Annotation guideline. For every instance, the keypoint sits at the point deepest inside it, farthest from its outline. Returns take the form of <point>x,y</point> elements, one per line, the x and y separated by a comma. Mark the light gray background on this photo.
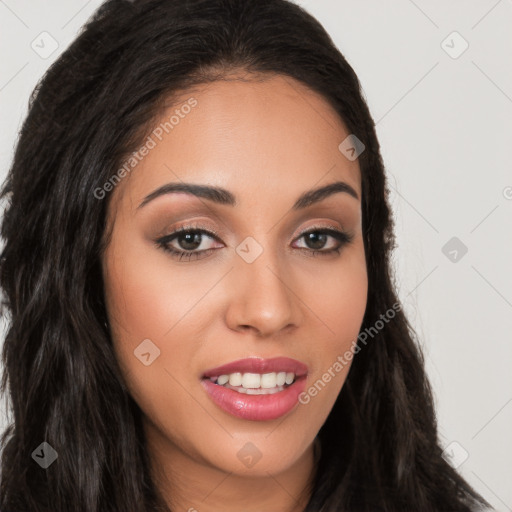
<point>445,127</point>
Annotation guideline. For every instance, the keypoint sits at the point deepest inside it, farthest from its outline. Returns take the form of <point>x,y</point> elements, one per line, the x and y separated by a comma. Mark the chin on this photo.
<point>260,455</point>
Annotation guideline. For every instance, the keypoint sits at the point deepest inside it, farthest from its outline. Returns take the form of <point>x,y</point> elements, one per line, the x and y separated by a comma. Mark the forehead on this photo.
<point>269,134</point>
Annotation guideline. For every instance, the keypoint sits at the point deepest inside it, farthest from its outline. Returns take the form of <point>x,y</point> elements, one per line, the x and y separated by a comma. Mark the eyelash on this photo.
<point>342,237</point>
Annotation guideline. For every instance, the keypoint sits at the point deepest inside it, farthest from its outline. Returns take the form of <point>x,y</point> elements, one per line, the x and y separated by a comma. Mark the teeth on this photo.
<point>268,380</point>
<point>235,379</point>
<point>223,379</point>
<point>250,382</point>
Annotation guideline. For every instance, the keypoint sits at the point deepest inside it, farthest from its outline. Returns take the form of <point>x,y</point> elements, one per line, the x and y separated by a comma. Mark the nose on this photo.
<point>262,297</point>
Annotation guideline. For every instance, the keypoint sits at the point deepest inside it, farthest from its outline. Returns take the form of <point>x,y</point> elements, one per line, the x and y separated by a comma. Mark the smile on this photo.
<point>256,389</point>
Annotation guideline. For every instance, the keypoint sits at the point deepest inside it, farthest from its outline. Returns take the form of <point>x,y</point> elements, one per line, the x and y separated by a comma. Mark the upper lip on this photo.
<point>259,365</point>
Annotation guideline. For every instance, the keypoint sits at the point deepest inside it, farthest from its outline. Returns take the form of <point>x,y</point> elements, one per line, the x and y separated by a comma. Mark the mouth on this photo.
<point>256,389</point>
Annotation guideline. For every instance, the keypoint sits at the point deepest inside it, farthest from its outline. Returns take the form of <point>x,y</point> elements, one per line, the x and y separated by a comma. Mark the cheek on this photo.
<point>146,296</point>
<point>153,309</point>
<point>153,332</point>
<point>338,301</point>
<point>337,295</point>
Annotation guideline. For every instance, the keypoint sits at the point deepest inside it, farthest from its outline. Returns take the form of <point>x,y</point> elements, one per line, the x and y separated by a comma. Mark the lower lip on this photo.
<point>256,407</point>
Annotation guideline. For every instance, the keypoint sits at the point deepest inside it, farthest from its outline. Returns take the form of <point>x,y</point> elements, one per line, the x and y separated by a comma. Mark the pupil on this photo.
<point>316,238</point>
<point>194,239</point>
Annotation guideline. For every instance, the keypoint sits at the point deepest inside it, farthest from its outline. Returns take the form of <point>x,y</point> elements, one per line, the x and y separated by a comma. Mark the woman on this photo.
<point>196,266</point>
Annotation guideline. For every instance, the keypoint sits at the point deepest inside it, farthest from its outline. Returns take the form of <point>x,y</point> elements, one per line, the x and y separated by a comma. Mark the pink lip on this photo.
<point>257,407</point>
<point>259,365</point>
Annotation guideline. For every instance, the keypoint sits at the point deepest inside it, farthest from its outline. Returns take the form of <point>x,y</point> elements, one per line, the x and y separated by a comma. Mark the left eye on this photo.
<point>316,239</point>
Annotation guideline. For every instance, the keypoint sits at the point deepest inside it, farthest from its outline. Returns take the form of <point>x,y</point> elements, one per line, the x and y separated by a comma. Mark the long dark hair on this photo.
<point>94,106</point>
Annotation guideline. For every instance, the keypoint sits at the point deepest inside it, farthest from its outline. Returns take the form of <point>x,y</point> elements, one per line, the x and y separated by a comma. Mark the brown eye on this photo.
<point>187,243</point>
<point>317,238</point>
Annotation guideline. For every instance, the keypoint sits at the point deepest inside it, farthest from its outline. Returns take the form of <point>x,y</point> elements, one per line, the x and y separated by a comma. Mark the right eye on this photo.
<point>187,240</point>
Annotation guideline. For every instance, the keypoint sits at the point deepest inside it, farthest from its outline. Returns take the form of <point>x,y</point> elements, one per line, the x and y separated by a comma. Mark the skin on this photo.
<point>266,141</point>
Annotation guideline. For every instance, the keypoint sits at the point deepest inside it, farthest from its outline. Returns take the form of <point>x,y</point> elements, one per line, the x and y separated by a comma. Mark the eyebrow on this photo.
<point>224,197</point>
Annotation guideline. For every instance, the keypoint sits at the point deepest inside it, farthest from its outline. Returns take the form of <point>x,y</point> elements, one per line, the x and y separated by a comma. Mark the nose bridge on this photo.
<point>262,296</point>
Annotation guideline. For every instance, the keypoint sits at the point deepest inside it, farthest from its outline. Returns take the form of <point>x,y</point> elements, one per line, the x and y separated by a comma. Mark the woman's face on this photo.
<point>256,288</point>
